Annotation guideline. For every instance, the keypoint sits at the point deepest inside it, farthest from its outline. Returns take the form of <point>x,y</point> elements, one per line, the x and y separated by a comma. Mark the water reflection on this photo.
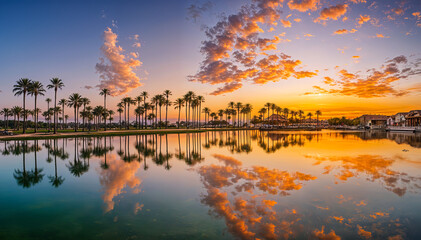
<point>266,185</point>
<point>374,167</point>
<point>244,198</point>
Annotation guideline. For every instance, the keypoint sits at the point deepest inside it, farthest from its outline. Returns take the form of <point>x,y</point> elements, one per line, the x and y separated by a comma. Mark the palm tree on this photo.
<point>48,100</point>
<point>167,93</point>
<point>139,112</point>
<point>62,102</point>
<point>21,88</point>
<point>145,95</point>
<point>238,106</point>
<point>16,114</point>
<point>127,102</point>
<point>75,101</point>
<point>55,83</point>
<point>201,100</point>
<point>6,113</point>
<point>104,92</point>
<point>36,89</point>
<point>146,107</point>
<point>286,112</point>
<point>206,111</point>
<point>263,111</point>
<point>120,110</point>
<point>300,114</point>
<point>188,97</point>
<point>138,99</point>
<point>110,116</point>
<point>309,116</point>
<point>84,101</point>
<point>247,109</point>
<point>179,103</point>
<point>318,113</point>
<point>268,106</point>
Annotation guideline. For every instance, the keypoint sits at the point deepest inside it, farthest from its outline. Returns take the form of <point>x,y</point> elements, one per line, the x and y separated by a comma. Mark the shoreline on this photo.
<point>35,136</point>
<point>44,135</point>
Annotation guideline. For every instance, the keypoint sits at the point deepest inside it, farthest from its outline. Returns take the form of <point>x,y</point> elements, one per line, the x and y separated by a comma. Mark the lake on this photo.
<point>213,185</point>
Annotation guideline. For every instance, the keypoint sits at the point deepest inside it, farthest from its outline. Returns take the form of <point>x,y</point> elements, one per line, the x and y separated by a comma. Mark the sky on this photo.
<point>345,58</point>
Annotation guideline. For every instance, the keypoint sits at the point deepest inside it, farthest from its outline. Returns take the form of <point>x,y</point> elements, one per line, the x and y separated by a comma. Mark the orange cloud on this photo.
<point>344,31</point>
<point>286,23</point>
<point>362,19</point>
<point>303,5</point>
<point>378,82</point>
<point>333,12</point>
<point>234,52</point>
<point>381,36</point>
<point>118,74</point>
<point>297,20</point>
<point>363,233</point>
<point>320,234</point>
<point>398,11</point>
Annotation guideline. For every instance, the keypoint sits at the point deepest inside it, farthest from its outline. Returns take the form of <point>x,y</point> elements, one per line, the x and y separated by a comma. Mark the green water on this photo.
<point>214,185</point>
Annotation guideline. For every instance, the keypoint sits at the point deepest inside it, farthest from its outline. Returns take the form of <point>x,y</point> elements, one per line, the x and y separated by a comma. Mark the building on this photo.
<point>400,118</point>
<point>391,121</point>
<point>277,119</point>
<point>413,119</point>
<point>373,121</point>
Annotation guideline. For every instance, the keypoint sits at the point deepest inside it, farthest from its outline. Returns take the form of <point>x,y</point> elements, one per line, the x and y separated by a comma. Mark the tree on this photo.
<point>104,92</point>
<point>62,102</point>
<point>318,113</point>
<point>120,110</point>
<point>36,89</point>
<point>84,101</point>
<point>262,111</point>
<point>145,95</point>
<point>17,111</point>
<point>110,116</point>
<point>6,113</point>
<point>167,93</point>
<point>309,115</point>
<point>301,114</point>
<point>179,103</point>
<point>206,111</point>
<point>238,106</point>
<point>55,83</point>
<point>75,102</point>
<point>200,100</point>
<point>21,88</point>
<point>139,112</point>
<point>48,100</point>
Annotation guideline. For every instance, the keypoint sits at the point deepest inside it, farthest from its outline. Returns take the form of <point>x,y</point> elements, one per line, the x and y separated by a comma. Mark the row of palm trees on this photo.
<point>25,87</point>
<point>287,114</point>
<point>147,113</point>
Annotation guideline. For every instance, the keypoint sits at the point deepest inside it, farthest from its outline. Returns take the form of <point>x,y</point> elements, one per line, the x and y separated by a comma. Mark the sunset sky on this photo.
<point>342,57</point>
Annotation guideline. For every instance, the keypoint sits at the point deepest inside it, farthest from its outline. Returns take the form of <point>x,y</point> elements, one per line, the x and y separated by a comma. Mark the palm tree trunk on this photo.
<point>24,110</point>
<point>55,113</point>
<point>36,114</point>
<point>75,119</point>
<point>179,111</point>
<point>166,113</point>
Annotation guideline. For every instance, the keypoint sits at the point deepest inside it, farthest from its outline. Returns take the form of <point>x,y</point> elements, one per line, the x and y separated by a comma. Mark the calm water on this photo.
<point>218,185</point>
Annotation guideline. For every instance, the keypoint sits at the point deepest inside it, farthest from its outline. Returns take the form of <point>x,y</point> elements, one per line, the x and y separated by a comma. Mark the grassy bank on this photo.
<point>72,134</point>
